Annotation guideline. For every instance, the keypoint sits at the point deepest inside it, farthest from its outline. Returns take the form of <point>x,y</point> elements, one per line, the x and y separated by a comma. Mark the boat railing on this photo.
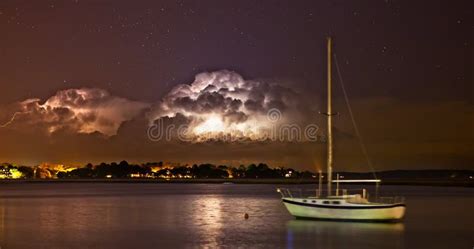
<point>353,195</point>
<point>298,193</point>
<point>308,193</point>
<point>387,199</point>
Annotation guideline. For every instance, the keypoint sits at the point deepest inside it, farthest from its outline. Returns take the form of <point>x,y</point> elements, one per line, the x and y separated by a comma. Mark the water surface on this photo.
<point>131,215</point>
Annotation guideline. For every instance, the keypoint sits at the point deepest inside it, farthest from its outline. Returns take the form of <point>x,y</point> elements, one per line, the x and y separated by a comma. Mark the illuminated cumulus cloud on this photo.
<point>85,110</point>
<point>223,103</point>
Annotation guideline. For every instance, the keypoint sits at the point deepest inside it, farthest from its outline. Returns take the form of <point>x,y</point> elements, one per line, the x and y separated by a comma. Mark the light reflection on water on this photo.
<point>200,215</point>
<point>330,234</point>
<point>206,214</point>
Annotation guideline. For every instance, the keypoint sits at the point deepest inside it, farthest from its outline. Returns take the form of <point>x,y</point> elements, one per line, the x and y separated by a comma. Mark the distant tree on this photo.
<point>102,170</point>
<point>61,174</point>
<point>219,172</point>
<point>27,172</point>
<point>81,173</point>
<point>252,171</point>
<point>306,174</point>
<point>241,171</point>
<point>204,170</point>
<point>180,171</point>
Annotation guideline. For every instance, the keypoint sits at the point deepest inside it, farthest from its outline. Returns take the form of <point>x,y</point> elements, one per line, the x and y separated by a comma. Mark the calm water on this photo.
<point>98,215</point>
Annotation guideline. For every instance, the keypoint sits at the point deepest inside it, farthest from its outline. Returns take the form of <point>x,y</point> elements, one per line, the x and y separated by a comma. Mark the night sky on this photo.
<point>407,66</point>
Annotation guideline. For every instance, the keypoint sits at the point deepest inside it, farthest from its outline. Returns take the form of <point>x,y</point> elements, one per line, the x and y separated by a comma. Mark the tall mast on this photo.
<point>329,113</point>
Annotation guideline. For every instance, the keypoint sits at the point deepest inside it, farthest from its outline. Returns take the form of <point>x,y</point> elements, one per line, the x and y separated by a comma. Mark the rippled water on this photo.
<point>116,215</point>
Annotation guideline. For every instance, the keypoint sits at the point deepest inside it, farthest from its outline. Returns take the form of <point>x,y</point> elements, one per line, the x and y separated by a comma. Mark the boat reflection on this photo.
<point>330,234</point>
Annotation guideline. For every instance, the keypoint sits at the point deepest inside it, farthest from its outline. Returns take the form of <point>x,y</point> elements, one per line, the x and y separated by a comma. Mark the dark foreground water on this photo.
<point>115,215</point>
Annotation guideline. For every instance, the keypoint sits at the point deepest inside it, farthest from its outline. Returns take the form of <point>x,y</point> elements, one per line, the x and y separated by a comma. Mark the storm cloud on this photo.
<point>223,102</point>
<point>85,110</point>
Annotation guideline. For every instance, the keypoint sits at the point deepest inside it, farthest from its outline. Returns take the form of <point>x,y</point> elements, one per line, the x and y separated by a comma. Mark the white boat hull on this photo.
<point>301,208</point>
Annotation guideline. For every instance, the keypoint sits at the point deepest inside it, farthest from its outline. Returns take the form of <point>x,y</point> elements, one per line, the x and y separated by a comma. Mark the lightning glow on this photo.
<point>212,124</point>
<point>85,110</point>
<point>222,103</point>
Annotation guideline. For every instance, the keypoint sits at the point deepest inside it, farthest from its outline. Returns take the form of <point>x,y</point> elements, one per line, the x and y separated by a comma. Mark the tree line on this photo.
<point>158,170</point>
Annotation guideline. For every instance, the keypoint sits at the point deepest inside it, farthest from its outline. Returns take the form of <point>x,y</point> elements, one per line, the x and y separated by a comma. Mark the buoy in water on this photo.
<point>246,215</point>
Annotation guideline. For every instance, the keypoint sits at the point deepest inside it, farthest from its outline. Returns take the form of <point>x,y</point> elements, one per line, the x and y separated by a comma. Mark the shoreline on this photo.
<point>467,184</point>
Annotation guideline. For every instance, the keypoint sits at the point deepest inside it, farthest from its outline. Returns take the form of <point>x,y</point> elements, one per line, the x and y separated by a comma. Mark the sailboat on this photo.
<point>341,205</point>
